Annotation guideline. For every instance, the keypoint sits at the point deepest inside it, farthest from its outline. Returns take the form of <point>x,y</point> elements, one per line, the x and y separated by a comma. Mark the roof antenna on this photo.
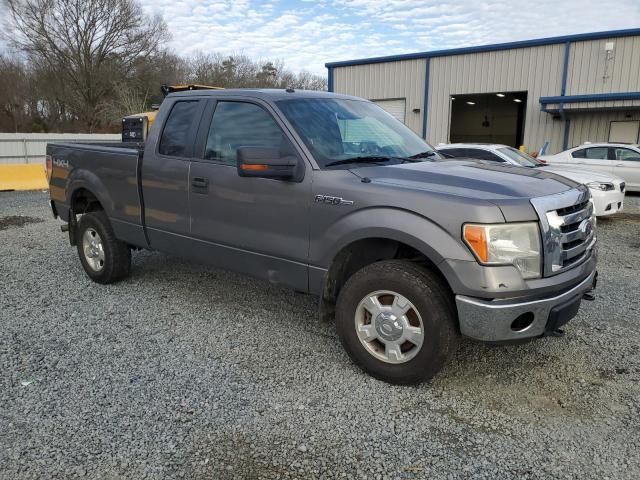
<point>290,90</point>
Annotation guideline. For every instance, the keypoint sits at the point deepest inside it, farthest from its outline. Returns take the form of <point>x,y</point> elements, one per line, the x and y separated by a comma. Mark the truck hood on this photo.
<point>580,175</point>
<point>469,179</point>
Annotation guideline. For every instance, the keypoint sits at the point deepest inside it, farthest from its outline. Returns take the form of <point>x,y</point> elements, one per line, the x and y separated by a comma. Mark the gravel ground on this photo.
<point>182,371</point>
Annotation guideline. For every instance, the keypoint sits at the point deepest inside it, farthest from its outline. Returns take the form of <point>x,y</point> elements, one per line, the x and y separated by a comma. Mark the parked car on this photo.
<point>331,195</point>
<point>607,190</point>
<point>620,159</point>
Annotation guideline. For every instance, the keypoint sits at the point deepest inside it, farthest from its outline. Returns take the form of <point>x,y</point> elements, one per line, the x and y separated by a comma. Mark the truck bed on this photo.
<point>111,171</point>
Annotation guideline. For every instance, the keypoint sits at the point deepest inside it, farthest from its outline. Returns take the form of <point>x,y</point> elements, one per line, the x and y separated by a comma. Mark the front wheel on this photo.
<point>104,258</point>
<point>397,321</point>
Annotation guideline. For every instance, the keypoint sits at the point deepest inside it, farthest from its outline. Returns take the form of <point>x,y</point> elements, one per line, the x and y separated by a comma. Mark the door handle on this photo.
<point>619,164</point>
<point>200,182</point>
<point>200,185</point>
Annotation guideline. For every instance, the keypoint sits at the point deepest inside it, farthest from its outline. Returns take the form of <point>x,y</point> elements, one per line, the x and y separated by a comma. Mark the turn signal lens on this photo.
<point>253,167</point>
<point>476,238</point>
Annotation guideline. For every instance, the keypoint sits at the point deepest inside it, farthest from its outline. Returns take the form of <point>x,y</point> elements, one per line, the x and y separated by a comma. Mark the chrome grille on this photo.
<point>568,228</point>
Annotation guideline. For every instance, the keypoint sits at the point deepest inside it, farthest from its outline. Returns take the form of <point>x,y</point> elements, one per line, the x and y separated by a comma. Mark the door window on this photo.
<point>594,153</point>
<point>627,154</point>
<point>239,124</point>
<point>177,130</point>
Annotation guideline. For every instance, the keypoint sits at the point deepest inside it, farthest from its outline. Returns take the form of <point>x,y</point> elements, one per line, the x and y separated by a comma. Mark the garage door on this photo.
<point>395,107</point>
<point>624,132</point>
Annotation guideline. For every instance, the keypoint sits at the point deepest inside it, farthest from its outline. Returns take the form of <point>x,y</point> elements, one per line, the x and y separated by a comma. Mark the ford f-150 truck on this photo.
<point>330,195</point>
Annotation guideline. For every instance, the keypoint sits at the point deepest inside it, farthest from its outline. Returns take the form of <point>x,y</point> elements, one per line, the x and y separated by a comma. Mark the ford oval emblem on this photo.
<point>586,227</point>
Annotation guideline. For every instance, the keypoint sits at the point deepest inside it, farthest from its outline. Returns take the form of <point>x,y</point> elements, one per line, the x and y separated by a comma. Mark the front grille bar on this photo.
<point>567,228</point>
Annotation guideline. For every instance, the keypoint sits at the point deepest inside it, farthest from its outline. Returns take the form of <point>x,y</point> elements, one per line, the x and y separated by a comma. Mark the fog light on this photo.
<point>523,322</point>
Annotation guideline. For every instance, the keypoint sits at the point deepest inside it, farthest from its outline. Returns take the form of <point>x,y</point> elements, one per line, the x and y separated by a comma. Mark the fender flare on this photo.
<point>403,226</point>
<point>91,182</point>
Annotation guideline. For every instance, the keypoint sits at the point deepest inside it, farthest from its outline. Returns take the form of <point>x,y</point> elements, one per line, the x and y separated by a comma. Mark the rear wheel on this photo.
<point>104,258</point>
<point>397,321</point>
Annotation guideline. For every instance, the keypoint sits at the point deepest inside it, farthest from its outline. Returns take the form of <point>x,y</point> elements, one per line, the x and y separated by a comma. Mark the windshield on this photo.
<point>345,132</point>
<point>520,158</point>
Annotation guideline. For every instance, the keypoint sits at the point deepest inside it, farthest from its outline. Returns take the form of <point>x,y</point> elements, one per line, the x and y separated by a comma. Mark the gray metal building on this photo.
<point>562,90</point>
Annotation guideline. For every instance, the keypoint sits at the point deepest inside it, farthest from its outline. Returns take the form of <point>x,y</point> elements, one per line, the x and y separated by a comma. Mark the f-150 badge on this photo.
<point>329,200</point>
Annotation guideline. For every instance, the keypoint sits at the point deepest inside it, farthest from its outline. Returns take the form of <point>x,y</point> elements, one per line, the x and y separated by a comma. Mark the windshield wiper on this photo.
<point>363,159</point>
<point>427,154</point>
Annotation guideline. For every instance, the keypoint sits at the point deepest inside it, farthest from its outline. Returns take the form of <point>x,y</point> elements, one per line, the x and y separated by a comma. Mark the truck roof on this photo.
<point>265,93</point>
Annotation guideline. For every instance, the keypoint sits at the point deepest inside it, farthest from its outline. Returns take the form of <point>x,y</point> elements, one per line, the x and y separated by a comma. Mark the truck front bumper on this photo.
<point>510,320</point>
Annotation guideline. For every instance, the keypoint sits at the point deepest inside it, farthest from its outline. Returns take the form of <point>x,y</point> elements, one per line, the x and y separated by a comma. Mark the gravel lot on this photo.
<point>190,372</point>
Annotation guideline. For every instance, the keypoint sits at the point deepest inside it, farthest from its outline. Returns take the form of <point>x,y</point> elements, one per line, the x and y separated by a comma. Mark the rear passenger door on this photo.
<point>165,174</point>
<point>258,226</point>
<point>627,165</point>
<point>593,158</point>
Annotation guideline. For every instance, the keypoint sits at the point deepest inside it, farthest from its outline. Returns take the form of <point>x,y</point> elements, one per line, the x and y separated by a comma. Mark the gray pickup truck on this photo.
<point>330,195</point>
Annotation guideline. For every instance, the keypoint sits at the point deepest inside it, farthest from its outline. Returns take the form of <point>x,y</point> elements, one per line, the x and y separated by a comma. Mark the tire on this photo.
<point>104,258</point>
<point>398,354</point>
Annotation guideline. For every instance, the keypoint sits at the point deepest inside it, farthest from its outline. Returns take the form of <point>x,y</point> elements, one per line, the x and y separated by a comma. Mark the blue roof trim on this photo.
<point>565,67</point>
<point>565,134</point>
<point>595,97</point>
<point>425,106</point>
<point>490,48</point>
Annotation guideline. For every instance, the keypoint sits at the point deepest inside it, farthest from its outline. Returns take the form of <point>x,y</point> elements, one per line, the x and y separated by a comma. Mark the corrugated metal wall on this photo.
<point>537,70</point>
<point>382,81</point>
<point>31,147</point>
<point>591,72</point>
<point>594,127</point>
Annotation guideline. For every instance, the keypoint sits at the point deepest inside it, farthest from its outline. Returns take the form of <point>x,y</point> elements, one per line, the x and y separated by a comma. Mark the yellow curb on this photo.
<point>23,177</point>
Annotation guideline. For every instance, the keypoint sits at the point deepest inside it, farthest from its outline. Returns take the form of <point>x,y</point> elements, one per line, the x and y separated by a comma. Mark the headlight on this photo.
<point>516,244</point>
<point>602,186</point>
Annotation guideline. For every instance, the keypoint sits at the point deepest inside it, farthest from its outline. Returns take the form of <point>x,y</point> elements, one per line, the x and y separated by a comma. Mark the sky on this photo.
<point>306,34</point>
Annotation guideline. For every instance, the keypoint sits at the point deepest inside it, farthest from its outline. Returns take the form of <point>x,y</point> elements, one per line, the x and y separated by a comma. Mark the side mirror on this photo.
<point>266,163</point>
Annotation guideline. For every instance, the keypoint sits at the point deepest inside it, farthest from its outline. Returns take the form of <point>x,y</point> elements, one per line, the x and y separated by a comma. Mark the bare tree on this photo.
<point>14,95</point>
<point>78,65</point>
<point>305,80</point>
<point>89,43</point>
<point>240,71</point>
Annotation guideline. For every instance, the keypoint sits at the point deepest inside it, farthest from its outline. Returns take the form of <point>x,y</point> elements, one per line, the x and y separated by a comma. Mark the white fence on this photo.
<point>32,147</point>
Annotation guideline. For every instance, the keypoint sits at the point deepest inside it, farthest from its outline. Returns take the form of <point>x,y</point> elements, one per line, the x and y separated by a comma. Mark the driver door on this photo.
<point>258,226</point>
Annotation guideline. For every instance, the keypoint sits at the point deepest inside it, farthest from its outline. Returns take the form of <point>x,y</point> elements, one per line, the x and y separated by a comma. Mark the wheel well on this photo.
<point>364,252</point>
<point>84,201</point>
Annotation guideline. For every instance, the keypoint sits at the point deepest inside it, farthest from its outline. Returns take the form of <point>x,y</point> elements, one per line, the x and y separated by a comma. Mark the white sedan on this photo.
<point>620,159</point>
<point>607,190</point>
